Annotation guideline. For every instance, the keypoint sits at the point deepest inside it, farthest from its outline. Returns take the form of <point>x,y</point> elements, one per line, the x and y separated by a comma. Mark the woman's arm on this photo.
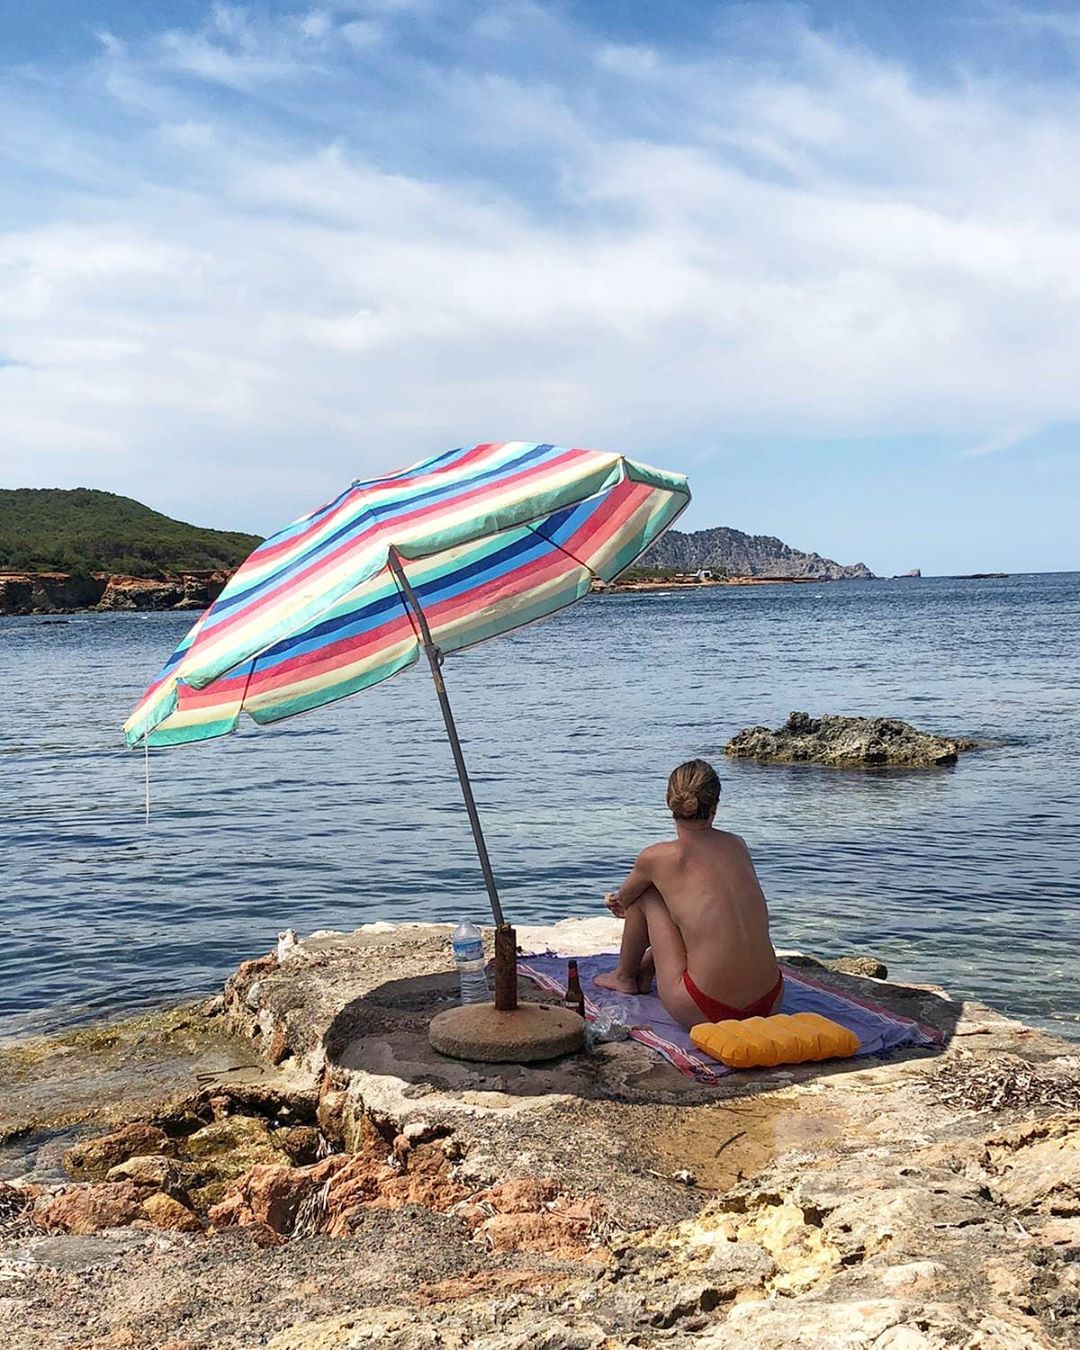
<point>633,888</point>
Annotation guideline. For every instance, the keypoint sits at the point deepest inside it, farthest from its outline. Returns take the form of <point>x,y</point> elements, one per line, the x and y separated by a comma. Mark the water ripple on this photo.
<point>968,877</point>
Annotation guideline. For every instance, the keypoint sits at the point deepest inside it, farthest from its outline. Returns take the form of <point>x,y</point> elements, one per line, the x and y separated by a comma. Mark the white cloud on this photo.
<point>361,33</point>
<point>1058,23</point>
<point>355,258</point>
<point>1005,439</point>
<point>189,134</point>
<point>625,59</point>
<point>316,23</point>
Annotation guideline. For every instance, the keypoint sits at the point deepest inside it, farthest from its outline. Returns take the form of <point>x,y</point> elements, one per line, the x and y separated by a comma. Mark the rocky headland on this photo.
<point>847,742</point>
<point>724,550</point>
<point>290,1165</point>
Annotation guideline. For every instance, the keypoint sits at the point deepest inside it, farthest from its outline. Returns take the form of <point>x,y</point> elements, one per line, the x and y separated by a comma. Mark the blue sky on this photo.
<point>823,257</point>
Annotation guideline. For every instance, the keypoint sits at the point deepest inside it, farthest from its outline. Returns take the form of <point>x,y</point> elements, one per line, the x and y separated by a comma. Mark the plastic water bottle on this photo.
<point>468,945</point>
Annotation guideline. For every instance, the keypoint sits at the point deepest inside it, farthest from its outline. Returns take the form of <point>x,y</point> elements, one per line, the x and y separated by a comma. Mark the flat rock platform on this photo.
<point>308,1173</point>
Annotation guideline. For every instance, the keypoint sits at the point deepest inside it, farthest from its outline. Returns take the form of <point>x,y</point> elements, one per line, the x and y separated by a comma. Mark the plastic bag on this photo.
<point>609,1024</point>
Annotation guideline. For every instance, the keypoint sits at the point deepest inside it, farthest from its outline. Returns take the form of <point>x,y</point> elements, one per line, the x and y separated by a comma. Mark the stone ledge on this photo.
<point>600,1200</point>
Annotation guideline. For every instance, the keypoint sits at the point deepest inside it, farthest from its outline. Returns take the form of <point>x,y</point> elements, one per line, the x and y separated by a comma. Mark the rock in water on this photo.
<point>848,742</point>
<point>867,966</point>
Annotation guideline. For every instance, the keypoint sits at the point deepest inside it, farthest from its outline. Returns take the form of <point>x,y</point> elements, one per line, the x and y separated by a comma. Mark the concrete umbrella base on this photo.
<point>531,1031</point>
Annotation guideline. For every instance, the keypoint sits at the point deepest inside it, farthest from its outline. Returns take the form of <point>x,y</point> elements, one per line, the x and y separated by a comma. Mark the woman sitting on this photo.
<point>695,916</point>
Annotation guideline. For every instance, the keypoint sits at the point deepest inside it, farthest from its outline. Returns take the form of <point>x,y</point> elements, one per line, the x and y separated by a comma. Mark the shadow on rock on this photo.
<point>385,1033</point>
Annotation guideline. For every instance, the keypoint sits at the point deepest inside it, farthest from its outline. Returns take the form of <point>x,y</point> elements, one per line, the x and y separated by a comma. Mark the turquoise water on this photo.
<point>968,877</point>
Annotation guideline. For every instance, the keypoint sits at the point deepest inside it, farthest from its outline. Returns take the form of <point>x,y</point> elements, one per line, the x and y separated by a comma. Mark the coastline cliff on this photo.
<point>63,593</point>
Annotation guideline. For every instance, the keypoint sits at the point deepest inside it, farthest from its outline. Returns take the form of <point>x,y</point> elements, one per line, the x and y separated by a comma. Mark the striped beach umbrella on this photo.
<point>456,549</point>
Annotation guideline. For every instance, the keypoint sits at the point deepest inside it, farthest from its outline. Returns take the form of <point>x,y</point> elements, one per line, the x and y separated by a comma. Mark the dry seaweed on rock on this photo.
<point>1007,1083</point>
<point>16,1203</point>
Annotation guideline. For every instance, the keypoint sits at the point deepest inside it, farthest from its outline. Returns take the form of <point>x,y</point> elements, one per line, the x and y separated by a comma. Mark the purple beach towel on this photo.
<point>878,1029</point>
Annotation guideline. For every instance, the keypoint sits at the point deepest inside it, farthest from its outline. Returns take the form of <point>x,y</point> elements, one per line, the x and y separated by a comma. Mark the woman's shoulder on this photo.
<point>663,848</point>
<point>732,846</point>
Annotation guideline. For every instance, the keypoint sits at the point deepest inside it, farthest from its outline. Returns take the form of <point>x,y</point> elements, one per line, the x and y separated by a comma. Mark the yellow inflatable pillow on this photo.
<point>783,1038</point>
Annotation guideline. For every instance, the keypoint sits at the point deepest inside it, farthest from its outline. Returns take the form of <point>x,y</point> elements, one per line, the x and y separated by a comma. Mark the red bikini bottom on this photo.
<point>715,1011</point>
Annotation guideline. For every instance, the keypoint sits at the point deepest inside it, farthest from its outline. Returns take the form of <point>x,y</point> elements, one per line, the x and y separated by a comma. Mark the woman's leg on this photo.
<point>635,941</point>
<point>669,954</point>
<point>648,926</point>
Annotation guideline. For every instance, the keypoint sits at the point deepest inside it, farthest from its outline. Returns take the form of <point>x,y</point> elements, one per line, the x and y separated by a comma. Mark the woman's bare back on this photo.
<point>707,880</point>
<point>694,915</point>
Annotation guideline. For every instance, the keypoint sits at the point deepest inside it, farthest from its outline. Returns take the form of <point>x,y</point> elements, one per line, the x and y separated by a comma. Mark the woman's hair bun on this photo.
<point>683,803</point>
<point>693,790</point>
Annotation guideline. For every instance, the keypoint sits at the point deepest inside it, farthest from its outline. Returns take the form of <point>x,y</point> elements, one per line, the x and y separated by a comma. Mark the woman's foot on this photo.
<point>618,982</point>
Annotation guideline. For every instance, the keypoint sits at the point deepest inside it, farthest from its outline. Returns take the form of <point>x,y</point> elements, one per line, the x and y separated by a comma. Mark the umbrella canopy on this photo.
<point>484,539</point>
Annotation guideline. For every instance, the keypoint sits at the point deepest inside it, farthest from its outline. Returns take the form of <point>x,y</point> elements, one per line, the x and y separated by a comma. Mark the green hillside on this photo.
<point>82,530</point>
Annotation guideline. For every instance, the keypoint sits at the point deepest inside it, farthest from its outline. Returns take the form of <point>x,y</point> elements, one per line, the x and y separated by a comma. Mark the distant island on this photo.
<point>728,553</point>
<point>77,549</point>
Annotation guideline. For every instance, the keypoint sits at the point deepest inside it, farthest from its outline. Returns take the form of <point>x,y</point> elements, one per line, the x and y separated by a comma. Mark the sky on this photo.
<point>822,257</point>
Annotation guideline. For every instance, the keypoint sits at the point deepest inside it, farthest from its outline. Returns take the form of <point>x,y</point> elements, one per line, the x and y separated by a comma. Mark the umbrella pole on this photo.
<point>505,941</point>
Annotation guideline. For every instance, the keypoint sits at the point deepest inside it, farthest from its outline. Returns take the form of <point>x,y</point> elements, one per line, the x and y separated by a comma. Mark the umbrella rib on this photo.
<point>555,544</point>
<point>247,684</point>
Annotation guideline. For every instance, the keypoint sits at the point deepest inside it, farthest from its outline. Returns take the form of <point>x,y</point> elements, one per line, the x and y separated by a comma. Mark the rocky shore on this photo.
<point>692,582</point>
<point>62,593</point>
<point>290,1165</point>
<point>65,593</point>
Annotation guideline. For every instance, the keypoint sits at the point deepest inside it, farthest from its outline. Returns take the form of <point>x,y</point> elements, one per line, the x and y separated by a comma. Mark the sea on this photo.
<point>966,877</point>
